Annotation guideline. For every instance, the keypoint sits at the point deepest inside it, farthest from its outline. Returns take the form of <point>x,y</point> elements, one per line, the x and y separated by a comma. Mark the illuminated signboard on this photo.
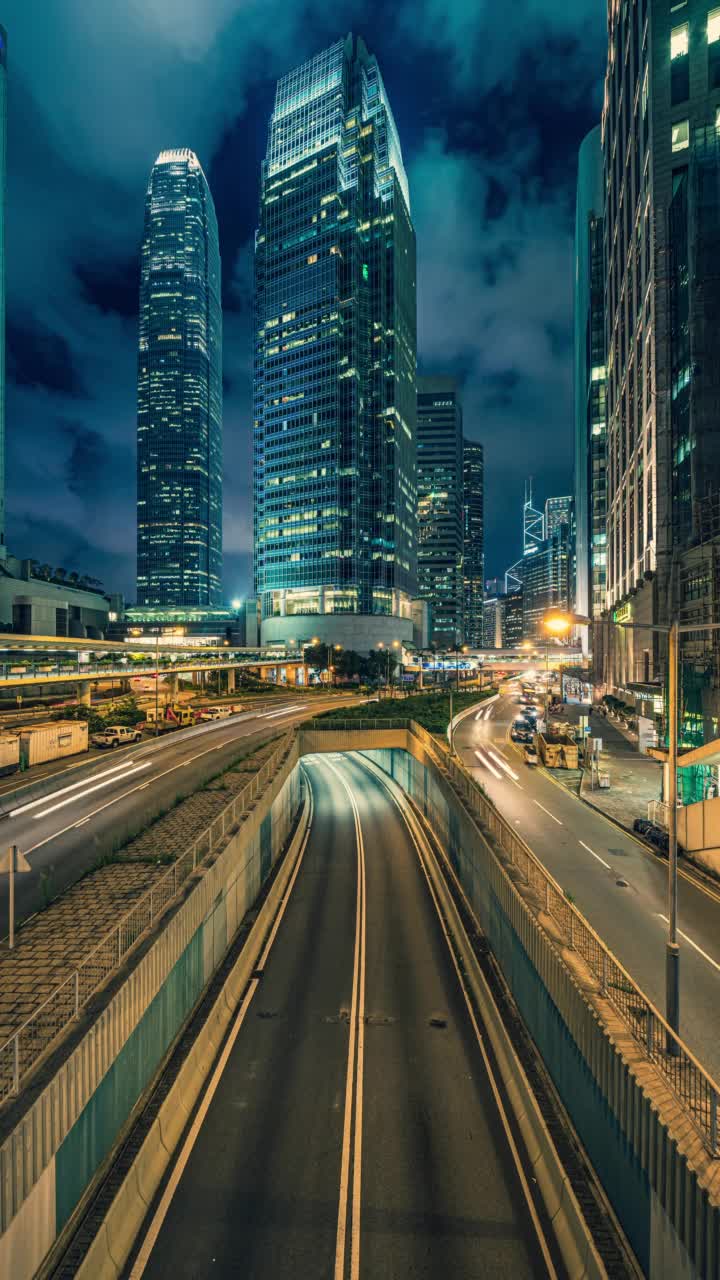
<point>623,614</point>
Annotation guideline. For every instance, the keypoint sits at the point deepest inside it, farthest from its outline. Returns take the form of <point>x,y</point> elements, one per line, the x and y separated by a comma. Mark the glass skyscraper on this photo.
<point>335,359</point>
<point>440,507</point>
<point>473,542</point>
<point>179,455</point>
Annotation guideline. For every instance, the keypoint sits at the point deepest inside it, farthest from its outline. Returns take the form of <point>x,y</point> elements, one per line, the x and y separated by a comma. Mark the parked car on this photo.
<point>530,754</point>
<point>117,735</point>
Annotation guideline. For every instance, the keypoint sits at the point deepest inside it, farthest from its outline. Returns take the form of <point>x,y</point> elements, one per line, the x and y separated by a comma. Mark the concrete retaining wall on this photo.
<point>667,1216</point>
<point>51,1157</point>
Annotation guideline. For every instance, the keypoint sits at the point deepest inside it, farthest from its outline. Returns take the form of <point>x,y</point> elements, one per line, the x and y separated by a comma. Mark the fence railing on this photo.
<point>692,1084</point>
<point>20,1053</point>
<point>658,813</point>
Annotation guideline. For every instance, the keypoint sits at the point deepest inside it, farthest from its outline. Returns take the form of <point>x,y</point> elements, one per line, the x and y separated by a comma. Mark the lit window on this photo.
<point>713,26</point>
<point>681,135</point>
<point>717,119</point>
<point>312,258</point>
<point>679,39</point>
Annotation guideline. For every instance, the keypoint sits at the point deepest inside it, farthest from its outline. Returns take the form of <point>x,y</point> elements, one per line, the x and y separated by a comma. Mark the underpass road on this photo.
<point>618,885</point>
<point>350,1147</point>
<point>64,832</point>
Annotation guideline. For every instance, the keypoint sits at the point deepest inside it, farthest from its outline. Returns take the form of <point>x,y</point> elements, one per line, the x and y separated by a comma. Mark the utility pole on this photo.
<point>673,950</point>
<point>157,678</point>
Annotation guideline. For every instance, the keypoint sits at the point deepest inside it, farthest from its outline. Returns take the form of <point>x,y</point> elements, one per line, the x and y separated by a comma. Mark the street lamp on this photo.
<point>559,624</point>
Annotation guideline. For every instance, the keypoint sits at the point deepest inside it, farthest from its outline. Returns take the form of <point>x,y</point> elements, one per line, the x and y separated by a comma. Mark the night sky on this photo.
<point>491,102</point>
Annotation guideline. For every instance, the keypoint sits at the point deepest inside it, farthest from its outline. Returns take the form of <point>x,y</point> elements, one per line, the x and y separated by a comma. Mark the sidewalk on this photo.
<point>635,779</point>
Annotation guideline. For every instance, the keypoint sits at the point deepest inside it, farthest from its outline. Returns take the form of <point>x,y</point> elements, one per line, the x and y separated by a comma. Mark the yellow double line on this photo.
<point>349,1204</point>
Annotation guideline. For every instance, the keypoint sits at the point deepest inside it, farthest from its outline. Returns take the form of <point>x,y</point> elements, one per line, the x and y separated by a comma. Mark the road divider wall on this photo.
<point>643,1142</point>
<point>56,1148</point>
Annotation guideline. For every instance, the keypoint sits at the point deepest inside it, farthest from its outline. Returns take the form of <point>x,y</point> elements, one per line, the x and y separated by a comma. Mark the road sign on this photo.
<point>11,862</point>
<point>21,862</point>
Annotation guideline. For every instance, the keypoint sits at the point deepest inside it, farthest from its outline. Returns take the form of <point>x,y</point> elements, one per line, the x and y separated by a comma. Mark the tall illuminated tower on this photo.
<point>179,456</point>
<point>335,358</point>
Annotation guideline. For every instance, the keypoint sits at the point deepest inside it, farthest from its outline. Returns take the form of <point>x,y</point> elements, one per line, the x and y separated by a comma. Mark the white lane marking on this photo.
<point>34,804</point>
<point>284,711</point>
<point>547,811</point>
<point>153,1231</point>
<point>483,760</point>
<point>695,946</point>
<point>357,1033</point>
<point>98,786</point>
<point>595,855</point>
<point>499,759</point>
<point>82,822</point>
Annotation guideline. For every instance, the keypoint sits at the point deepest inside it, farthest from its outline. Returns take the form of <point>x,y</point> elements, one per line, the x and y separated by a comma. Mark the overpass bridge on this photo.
<point>28,662</point>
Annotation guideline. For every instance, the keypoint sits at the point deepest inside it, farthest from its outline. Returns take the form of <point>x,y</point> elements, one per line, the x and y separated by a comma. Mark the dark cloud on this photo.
<point>491,105</point>
<point>38,358</point>
<point>111,286</point>
<point>88,464</point>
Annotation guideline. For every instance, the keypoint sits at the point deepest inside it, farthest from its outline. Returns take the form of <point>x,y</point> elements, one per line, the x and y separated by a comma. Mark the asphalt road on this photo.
<point>352,1132</point>
<point>618,885</point>
<point>64,832</point>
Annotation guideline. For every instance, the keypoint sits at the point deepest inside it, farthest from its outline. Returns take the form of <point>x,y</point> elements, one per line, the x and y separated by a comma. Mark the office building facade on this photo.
<point>335,361</point>
<point>440,524</point>
<point>179,438</point>
<point>473,541</point>
<point>558,511</point>
<point>589,384</point>
<point>661,143</point>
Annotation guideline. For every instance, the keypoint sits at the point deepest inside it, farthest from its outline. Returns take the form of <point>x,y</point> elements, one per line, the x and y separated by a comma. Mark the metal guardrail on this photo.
<point>20,1053</point>
<point>692,1084</point>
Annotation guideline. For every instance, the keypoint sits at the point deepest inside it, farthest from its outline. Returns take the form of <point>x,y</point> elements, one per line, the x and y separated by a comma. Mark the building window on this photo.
<point>679,40</point>
<point>679,64</point>
<point>713,39</point>
<point>681,135</point>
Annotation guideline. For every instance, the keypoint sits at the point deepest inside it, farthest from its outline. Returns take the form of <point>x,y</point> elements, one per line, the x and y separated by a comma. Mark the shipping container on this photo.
<point>53,741</point>
<point>9,753</point>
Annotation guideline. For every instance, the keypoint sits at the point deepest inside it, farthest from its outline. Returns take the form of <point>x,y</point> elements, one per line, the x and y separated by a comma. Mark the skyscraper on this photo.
<point>473,541</point>
<point>440,507</point>
<point>558,511</point>
<point>3,156</point>
<point>590,383</point>
<point>533,524</point>
<point>661,144</point>
<point>179,463</point>
<point>335,361</point>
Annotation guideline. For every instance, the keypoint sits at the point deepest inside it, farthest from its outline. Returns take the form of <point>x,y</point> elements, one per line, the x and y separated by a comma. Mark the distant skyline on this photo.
<point>491,109</point>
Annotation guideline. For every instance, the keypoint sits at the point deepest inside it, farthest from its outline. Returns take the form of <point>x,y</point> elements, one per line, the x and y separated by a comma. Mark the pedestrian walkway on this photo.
<point>635,779</point>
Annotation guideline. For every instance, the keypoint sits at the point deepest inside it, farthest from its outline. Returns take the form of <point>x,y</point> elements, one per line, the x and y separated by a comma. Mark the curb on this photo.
<point>108,1254</point>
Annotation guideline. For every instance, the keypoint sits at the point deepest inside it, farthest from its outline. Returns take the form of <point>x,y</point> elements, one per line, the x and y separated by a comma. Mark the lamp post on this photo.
<point>559,624</point>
